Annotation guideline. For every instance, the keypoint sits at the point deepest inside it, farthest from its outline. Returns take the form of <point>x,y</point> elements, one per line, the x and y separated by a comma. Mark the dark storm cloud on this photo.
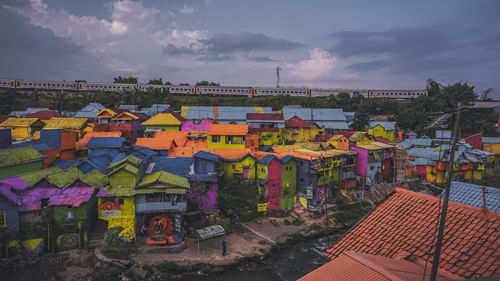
<point>29,51</point>
<point>226,43</point>
<point>221,46</point>
<point>172,50</point>
<point>405,43</point>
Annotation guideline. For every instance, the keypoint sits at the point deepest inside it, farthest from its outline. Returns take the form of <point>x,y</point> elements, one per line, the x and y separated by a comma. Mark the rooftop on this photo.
<point>20,155</point>
<point>471,194</point>
<point>407,221</point>
<point>228,129</point>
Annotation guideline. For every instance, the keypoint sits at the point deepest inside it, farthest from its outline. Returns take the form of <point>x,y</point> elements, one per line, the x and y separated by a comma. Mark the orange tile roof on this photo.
<point>228,129</point>
<point>226,153</point>
<point>354,266</point>
<point>179,137</point>
<point>82,143</point>
<point>156,143</point>
<point>196,143</point>
<point>185,151</point>
<point>407,221</point>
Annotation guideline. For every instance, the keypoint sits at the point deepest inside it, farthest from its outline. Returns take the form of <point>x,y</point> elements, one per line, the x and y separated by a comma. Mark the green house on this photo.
<point>288,182</point>
<point>16,161</point>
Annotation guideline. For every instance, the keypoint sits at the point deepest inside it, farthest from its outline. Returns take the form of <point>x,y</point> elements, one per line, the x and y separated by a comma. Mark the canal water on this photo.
<point>283,265</point>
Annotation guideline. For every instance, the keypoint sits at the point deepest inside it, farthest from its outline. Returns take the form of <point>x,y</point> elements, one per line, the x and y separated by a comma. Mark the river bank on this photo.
<point>261,250</point>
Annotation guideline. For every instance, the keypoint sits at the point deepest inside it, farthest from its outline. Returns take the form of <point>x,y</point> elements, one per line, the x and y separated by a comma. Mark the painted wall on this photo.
<point>361,160</point>
<point>223,143</point>
<point>274,185</point>
<point>164,127</point>
<point>378,131</point>
<point>492,147</point>
<point>302,134</point>
<point>206,199</point>
<point>374,171</point>
<point>245,166</point>
<point>124,178</point>
<point>190,125</point>
<point>11,214</point>
<point>288,184</point>
<point>124,216</point>
<point>15,170</point>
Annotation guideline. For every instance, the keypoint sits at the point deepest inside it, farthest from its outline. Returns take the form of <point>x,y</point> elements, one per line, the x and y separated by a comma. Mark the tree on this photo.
<point>206,83</point>
<point>125,80</point>
<point>184,84</point>
<point>459,93</point>
<point>168,83</point>
<point>155,82</point>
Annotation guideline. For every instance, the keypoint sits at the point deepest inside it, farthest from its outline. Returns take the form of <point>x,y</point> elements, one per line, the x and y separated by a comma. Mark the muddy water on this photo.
<point>283,265</point>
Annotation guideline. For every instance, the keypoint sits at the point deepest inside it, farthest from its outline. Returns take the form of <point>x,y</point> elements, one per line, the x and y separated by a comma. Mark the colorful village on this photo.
<point>159,178</point>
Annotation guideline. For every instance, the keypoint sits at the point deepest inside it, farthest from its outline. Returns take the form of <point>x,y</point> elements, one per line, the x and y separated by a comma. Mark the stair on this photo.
<point>97,236</point>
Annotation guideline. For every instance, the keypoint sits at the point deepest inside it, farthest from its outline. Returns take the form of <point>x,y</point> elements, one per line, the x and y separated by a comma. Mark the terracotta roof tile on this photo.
<point>180,137</point>
<point>406,221</point>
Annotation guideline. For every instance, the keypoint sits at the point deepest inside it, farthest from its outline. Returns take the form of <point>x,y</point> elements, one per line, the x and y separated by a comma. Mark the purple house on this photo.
<point>191,125</point>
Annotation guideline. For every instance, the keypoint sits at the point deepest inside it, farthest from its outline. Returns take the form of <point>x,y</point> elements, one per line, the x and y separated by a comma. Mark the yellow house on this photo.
<point>117,204</point>
<point>490,144</point>
<point>227,136</point>
<point>165,122</point>
<point>385,130</point>
<point>23,128</point>
<point>78,125</point>
<point>236,162</point>
<point>297,129</point>
<point>359,138</point>
<point>105,115</point>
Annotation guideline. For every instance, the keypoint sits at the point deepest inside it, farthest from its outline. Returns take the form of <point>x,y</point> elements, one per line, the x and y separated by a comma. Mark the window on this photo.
<point>233,166</point>
<point>215,138</point>
<point>155,197</point>
<point>263,170</point>
<point>3,219</point>
<point>301,179</point>
<point>120,202</point>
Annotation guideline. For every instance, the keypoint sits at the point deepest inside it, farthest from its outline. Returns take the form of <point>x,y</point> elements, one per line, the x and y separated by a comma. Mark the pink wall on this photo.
<point>361,160</point>
<point>274,184</point>
<point>190,125</point>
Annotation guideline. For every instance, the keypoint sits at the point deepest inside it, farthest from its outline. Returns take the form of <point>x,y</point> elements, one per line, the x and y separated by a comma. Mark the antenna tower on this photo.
<point>278,69</point>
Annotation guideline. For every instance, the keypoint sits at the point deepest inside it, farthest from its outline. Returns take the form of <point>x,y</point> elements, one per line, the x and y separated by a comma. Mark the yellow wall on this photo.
<point>20,133</point>
<point>229,171</point>
<point>378,131</point>
<point>124,179</point>
<point>492,147</point>
<point>434,176</point>
<point>261,171</point>
<point>271,138</point>
<point>164,127</point>
<point>303,134</point>
<point>223,144</point>
<point>126,217</point>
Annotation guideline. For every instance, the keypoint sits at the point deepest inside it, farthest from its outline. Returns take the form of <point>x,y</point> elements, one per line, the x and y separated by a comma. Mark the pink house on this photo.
<point>191,125</point>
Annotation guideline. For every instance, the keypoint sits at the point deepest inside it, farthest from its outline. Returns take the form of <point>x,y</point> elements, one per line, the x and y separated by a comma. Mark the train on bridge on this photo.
<point>207,90</point>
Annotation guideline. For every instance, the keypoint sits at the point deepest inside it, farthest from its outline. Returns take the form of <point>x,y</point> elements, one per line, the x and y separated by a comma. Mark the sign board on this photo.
<point>111,213</point>
<point>178,223</point>
<point>309,192</point>
<point>261,207</point>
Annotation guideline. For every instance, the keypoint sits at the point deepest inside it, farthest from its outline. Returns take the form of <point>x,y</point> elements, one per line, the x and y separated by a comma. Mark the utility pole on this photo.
<point>439,242</point>
<point>278,69</point>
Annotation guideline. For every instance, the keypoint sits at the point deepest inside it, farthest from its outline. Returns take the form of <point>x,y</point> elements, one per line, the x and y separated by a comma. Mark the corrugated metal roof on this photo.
<point>162,119</point>
<point>471,194</point>
<point>46,115</point>
<point>315,114</point>
<point>19,122</point>
<point>66,123</point>
<point>155,109</point>
<point>89,111</point>
<point>176,165</point>
<point>265,116</point>
<point>15,156</point>
<point>228,129</point>
<point>198,112</point>
<point>164,178</point>
<point>106,143</point>
<point>440,134</point>
<point>336,125</point>
<point>491,139</point>
<point>386,125</point>
<point>65,164</point>
<point>131,107</point>
<point>207,156</point>
<point>35,176</point>
<point>155,143</point>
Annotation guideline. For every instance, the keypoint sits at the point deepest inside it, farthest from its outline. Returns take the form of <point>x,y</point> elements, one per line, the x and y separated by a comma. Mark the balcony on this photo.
<point>149,207</point>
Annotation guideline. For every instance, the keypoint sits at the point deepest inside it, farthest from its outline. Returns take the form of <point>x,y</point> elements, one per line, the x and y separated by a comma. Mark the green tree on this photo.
<point>206,83</point>
<point>125,80</point>
<point>155,82</point>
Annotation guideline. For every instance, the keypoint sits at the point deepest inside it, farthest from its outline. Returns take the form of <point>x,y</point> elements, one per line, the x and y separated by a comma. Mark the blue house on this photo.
<point>106,146</point>
<point>206,167</point>
<point>5,138</point>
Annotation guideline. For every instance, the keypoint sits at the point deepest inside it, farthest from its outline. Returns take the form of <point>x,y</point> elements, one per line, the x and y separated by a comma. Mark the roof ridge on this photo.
<point>373,266</point>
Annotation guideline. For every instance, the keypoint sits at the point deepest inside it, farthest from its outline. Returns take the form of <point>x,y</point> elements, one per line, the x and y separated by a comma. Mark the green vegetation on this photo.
<point>239,198</point>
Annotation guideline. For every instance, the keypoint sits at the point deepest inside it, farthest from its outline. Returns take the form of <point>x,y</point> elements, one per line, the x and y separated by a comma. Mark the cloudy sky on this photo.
<point>323,43</point>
